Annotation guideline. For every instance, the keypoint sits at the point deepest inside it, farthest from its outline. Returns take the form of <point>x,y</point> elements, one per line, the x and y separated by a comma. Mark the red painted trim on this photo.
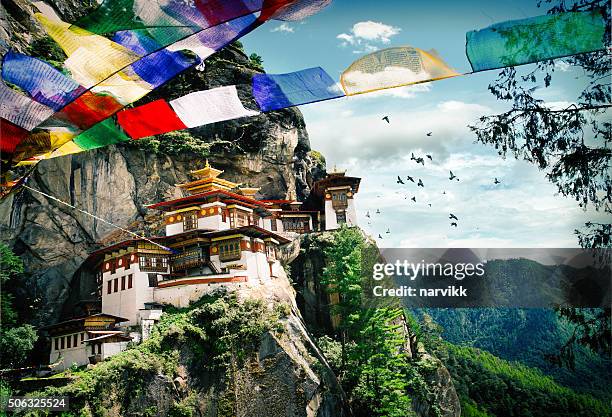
<point>170,203</point>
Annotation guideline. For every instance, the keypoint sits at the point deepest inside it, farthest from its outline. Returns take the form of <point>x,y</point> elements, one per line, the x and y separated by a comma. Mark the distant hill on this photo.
<point>526,336</point>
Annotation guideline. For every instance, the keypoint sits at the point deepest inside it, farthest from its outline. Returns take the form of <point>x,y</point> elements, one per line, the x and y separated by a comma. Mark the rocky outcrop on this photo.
<point>437,398</point>
<point>270,151</point>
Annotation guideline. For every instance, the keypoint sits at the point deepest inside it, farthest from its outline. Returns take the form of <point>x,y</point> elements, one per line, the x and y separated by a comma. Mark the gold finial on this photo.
<point>207,164</point>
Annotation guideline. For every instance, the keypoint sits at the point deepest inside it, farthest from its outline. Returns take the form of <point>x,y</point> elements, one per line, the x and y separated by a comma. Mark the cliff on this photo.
<point>116,183</point>
<point>260,361</point>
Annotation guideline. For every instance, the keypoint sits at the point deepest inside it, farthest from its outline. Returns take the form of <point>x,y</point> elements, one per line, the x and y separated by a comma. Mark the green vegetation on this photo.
<point>210,337</point>
<point>528,336</point>
<point>367,350</point>
<point>16,341</point>
<point>489,386</point>
<point>48,50</point>
<point>256,61</point>
<point>174,143</point>
<point>317,157</point>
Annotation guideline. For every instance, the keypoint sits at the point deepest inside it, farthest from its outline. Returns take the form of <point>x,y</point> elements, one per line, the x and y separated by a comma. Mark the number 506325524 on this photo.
<point>49,403</point>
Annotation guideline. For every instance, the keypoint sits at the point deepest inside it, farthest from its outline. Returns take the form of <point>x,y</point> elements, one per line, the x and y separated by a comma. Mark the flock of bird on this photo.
<point>454,220</point>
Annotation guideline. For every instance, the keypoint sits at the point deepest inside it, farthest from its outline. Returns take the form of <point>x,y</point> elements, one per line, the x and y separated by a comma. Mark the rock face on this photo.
<point>270,151</point>
<point>440,399</point>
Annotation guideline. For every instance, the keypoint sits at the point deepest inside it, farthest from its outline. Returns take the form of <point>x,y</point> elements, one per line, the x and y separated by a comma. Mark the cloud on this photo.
<point>374,31</point>
<point>371,140</point>
<point>284,27</point>
<point>363,34</point>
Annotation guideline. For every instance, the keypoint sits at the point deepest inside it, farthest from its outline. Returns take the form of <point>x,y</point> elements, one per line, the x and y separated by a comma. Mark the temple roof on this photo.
<point>207,179</point>
<point>336,179</point>
<point>178,203</point>
<point>251,230</point>
<point>81,321</point>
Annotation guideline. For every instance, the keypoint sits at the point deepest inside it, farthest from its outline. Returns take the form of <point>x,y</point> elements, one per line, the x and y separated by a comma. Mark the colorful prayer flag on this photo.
<point>279,91</point>
<point>149,119</point>
<point>40,80</point>
<point>525,41</point>
<point>394,67</point>
<point>210,106</point>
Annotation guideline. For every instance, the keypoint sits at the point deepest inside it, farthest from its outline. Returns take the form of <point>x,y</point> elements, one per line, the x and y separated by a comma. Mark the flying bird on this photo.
<point>412,158</point>
<point>388,231</point>
<point>420,184</point>
<point>420,161</point>
<point>429,133</point>
<point>386,119</point>
<point>429,204</point>
<point>399,180</point>
<point>379,236</point>
<point>414,199</point>
<point>368,214</point>
<point>453,176</point>
<point>377,211</point>
<point>496,181</point>
<point>452,217</point>
<point>409,178</point>
<point>430,158</point>
<point>454,224</point>
<point>444,192</point>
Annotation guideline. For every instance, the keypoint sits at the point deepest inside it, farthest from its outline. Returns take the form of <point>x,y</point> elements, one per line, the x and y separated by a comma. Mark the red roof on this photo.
<point>168,205</point>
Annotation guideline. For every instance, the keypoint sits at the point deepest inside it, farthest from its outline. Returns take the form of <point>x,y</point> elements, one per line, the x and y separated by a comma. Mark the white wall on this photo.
<point>331,222</point>
<point>174,228</point>
<point>128,302</point>
<point>70,356</point>
<point>111,349</point>
<point>351,213</point>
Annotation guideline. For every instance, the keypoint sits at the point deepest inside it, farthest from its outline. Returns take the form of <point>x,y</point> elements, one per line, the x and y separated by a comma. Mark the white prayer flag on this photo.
<point>210,106</point>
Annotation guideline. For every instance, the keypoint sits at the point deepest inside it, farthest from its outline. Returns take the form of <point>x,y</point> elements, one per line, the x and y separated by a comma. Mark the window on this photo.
<point>273,224</point>
<point>295,224</point>
<point>341,217</point>
<point>93,349</point>
<point>57,343</point>
<point>152,280</point>
<point>99,348</point>
<point>224,216</point>
<point>153,263</point>
<point>75,340</point>
<point>109,286</point>
<point>130,279</point>
<point>123,283</point>
<point>270,251</point>
<point>116,285</point>
<point>190,221</point>
<point>242,219</point>
<point>229,250</point>
<point>68,342</point>
<point>82,338</point>
<point>190,258</point>
<point>339,200</point>
<point>62,342</point>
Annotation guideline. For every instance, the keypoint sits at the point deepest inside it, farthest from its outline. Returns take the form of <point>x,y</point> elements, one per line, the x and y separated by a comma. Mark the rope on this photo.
<point>98,218</point>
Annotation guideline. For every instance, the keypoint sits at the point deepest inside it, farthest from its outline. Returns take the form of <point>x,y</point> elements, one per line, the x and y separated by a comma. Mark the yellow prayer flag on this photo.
<point>394,67</point>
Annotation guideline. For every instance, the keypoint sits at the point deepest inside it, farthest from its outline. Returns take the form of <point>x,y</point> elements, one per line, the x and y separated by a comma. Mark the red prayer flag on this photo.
<point>150,119</point>
<point>89,109</point>
<point>10,136</point>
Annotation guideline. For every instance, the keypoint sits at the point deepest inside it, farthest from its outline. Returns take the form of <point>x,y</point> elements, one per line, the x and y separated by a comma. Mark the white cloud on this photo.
<point>363,34</point>
<point>284,27</point>
<point>374,31</point>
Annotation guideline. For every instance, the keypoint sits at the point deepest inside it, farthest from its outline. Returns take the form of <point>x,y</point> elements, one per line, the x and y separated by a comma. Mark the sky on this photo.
<point>524,210</point>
